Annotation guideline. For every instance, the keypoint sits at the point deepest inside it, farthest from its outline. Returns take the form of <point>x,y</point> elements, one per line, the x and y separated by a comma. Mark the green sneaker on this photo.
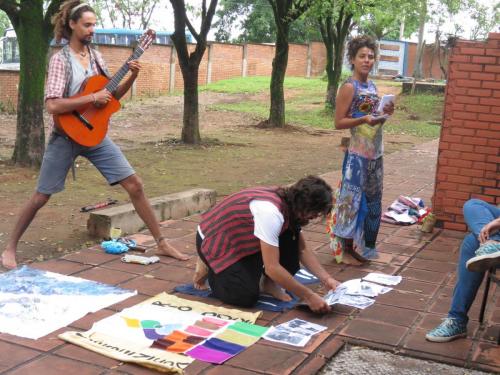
<point>449,330</point>
<point>487,256</point>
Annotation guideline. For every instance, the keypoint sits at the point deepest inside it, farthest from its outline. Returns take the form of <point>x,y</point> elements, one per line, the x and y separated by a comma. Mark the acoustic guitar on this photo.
<point>88,124</point>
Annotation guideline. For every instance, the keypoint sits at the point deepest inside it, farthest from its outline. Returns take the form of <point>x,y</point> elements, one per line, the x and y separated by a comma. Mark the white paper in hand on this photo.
<point>386,99</point>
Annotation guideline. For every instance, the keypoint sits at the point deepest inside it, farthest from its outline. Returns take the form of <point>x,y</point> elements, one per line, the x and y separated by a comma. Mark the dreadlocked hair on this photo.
<point>61,19</point>
<point>310,194</point>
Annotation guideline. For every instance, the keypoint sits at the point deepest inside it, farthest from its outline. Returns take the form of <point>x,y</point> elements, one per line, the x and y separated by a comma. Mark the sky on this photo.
<point>163,20</point>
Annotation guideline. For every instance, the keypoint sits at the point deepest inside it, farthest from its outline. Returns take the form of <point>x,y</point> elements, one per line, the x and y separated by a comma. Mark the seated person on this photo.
<point>251,242</point>
<point>480,250</point>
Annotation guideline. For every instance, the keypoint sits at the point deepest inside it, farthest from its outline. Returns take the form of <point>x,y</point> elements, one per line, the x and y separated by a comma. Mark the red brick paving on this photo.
<point>397,321</point>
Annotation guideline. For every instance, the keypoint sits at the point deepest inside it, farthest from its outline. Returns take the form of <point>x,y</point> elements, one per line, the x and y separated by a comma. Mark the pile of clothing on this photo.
<point>406,211</point>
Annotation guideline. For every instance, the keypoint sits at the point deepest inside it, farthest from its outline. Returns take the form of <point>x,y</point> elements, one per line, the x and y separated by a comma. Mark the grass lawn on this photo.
<point>418,115</point>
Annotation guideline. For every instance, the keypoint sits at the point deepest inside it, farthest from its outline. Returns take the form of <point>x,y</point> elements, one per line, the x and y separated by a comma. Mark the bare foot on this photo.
<point>165,249</point>
<point>268,286</point>
<point>9,259</point>
<point>355,255</point>
<point>200,275</point>
<point>347,258</point>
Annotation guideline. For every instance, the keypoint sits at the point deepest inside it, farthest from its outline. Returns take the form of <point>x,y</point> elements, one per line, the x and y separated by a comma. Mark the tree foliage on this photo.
<point>4,23</point>
<point>485,19</point>
<point>435,13</point>
<point>384,19</point>
<point>31,20</point>
<point>127,14</point>
<point>254,19</point>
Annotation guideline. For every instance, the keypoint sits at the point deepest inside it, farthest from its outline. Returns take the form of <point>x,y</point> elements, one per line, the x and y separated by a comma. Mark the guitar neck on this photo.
<point>117,78</point>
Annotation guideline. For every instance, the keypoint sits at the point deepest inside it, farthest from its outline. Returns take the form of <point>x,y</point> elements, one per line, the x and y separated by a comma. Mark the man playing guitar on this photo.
<point>68,70</point>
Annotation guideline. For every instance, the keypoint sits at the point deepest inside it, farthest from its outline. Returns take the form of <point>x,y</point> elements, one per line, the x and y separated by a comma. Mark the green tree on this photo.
<point>386,19</point>
<point>4,23</point>
<point>31,21</point>
<point>285,13</point>
<point>256,20</point>
<point>190,62</point>
<point>125,13</point>
<point>435,13</point>
<point>335,19</point>
<point>485,19</point>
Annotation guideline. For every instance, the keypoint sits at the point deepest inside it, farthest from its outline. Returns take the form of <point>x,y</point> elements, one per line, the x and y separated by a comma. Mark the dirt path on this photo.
<point>235,154</point>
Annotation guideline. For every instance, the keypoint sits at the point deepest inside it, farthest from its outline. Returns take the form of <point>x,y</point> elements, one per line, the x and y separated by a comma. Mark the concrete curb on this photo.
<point>170,206</point>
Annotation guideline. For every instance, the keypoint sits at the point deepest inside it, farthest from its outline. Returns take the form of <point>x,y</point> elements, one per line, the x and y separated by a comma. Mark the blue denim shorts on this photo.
<point>62,151</point>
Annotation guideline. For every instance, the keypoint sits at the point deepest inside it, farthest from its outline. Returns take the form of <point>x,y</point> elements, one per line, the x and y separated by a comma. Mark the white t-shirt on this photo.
<point>268,222</point>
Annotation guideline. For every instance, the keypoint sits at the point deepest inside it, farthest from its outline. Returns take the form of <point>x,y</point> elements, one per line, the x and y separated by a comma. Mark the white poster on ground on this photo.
<point>34,303</point>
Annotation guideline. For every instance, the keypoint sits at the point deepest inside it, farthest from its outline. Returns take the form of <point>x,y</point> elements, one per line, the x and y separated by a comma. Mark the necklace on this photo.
<point>81,53</point>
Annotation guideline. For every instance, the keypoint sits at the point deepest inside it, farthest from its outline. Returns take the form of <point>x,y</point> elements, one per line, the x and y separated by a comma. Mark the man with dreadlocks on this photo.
<point>67,71</point>
<point>251,242</point>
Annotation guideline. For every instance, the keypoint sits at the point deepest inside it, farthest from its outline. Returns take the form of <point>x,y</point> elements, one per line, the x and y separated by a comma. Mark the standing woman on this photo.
<point>358,206</point>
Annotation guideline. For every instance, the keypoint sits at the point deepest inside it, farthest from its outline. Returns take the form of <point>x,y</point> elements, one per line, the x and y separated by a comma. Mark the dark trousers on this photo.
<point>239,283</point>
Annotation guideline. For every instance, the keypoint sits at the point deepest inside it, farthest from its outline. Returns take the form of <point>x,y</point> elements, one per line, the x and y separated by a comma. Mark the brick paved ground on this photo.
<point>396,322</point>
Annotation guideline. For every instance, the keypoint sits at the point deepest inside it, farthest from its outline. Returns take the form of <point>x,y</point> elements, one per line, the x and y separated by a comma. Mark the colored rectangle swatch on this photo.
<point>248,329</point>
<point>198,331</point>
<point>208,355</point>
<point>235,337</point>
<point>223,346</point>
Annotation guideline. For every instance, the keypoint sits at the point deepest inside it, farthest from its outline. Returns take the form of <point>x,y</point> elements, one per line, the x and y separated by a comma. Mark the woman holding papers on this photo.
<point>358,207</point>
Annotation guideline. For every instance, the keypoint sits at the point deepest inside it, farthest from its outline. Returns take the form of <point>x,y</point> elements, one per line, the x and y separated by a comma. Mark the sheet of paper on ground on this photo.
<point>359,293</point>
<point>34,303</point>
<point>296,332</point>
<point>123,336</point>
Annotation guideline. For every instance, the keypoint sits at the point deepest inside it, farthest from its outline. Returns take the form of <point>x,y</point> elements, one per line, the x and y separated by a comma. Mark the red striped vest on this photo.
<point>229,226</point>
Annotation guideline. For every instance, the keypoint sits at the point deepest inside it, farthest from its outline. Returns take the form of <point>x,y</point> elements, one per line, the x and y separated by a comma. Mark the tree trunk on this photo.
<point>280,62</point>
<point>417,70</point>
<point>33,48</point>
<point>336,73</point>
<point>190,123</point>
<point>331,88</point>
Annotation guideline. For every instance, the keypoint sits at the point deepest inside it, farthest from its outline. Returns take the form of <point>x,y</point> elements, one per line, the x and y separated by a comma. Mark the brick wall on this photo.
<point>430,64</point>
<point>469,147</point>
<point>318,60</point>
<point>226,62</point>
<point>8,88</point>
<point>259,59</point>
<point>297,60</point>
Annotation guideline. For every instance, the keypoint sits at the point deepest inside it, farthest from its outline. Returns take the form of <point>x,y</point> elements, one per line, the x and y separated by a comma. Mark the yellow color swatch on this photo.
<point>237,338</point>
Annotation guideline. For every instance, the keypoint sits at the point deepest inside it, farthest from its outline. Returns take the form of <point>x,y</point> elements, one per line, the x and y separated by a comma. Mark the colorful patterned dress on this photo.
<point>357,206</point>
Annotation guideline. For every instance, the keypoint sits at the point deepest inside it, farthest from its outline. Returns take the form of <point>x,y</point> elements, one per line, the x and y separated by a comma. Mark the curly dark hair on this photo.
<point>61,19</point>
<point>359,42</point>
<point>309,195</point>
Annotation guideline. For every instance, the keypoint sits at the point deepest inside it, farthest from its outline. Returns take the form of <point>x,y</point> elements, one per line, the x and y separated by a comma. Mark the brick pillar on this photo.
<point>173,58</point>
<point>244,61</point>
<point>469,147</point>
<point>209,63</point>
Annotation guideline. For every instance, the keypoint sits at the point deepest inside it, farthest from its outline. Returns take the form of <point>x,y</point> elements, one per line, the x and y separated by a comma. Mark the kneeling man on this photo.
<point>251,242</point>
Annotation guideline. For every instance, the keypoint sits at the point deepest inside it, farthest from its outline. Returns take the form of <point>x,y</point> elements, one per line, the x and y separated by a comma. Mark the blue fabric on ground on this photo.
<point>264,302</point>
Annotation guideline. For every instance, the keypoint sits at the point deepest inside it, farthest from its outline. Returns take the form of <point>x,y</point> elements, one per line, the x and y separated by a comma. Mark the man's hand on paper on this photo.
<point>317,304</point>
<point>331,283</point>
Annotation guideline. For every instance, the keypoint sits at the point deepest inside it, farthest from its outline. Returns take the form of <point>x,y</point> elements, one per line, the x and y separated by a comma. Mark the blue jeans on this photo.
<point>477,214</point>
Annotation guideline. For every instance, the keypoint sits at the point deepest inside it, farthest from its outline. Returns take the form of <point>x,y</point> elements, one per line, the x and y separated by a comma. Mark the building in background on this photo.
<point>9,49</point>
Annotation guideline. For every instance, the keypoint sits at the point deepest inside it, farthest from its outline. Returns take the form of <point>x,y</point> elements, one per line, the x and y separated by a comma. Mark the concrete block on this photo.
<point>170,206</point>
